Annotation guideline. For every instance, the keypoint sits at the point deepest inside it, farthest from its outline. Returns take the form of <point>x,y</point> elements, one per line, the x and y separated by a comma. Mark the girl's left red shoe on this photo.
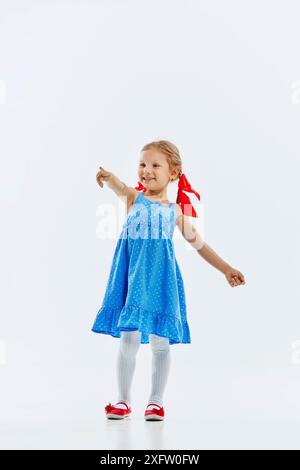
<point>154,414</point>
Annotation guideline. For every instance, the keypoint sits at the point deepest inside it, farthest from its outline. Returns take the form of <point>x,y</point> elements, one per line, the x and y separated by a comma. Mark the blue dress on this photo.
<point>145,289</point>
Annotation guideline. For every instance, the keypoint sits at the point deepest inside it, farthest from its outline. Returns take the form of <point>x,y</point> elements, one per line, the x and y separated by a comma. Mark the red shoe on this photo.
<point>117,413</point>
<point>156,414</point>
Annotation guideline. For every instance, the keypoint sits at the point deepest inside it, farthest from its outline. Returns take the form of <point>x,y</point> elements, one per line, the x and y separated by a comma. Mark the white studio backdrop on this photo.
<point>88,83</point>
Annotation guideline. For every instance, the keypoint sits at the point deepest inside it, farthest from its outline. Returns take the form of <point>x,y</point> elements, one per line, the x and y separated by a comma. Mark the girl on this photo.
<point>145,297</point>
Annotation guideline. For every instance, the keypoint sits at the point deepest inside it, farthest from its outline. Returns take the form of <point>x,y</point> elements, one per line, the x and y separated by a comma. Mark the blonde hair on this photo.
<point>171,152</point>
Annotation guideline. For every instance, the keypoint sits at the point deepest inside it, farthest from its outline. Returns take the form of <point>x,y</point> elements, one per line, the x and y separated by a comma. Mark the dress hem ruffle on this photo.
<point>111,320</point>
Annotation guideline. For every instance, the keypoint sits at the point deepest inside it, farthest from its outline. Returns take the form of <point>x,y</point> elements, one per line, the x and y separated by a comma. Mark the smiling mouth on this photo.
<point>147,180</point>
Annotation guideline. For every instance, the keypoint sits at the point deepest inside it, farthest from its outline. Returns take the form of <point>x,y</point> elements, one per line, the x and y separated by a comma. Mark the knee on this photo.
<point>159,344</point>
<point>130,342</point>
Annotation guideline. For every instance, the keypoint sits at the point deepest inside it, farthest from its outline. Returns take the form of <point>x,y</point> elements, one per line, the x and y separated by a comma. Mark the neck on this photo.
<point>162,194</point>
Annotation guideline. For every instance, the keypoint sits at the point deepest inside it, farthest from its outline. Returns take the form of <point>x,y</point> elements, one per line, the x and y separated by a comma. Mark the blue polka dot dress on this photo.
<point>145,289</point>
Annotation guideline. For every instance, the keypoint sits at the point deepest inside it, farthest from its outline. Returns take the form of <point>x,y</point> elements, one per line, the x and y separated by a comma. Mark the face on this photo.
<point>154,171</point>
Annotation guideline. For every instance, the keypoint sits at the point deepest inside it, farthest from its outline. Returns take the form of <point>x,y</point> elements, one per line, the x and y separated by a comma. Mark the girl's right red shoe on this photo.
<point>113,412</point>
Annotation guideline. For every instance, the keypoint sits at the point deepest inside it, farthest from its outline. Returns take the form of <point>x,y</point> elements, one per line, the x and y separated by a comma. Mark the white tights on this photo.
<point>161,357</point>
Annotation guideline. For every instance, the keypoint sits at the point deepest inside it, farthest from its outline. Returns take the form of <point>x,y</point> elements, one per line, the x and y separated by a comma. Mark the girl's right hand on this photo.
<point>102,175</point>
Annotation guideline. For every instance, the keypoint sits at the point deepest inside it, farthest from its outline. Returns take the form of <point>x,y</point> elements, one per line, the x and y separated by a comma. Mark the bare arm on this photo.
<point>123,191</point>
<point>189,232</point>
<point>213,258</point>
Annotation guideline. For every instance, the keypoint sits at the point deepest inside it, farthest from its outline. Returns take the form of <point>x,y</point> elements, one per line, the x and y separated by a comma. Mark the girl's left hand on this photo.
<point>234,277</point>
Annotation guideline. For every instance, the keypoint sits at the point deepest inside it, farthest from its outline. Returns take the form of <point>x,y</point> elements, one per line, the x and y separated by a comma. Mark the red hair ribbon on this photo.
<point>140,187</point>
<point>182,199</point>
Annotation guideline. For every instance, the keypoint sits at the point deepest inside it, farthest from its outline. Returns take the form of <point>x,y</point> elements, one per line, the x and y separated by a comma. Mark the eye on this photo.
<point>155,164</point>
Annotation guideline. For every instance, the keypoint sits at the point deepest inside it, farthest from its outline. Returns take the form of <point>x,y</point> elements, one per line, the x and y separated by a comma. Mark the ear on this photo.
<point>174,173</point>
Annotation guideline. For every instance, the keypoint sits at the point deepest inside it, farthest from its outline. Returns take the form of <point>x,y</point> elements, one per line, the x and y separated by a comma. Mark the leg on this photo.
<point>126,360</point>
<point>161,361</point>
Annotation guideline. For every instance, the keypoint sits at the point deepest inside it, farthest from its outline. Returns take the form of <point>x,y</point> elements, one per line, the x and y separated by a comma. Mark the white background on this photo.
<point>88,83</point>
